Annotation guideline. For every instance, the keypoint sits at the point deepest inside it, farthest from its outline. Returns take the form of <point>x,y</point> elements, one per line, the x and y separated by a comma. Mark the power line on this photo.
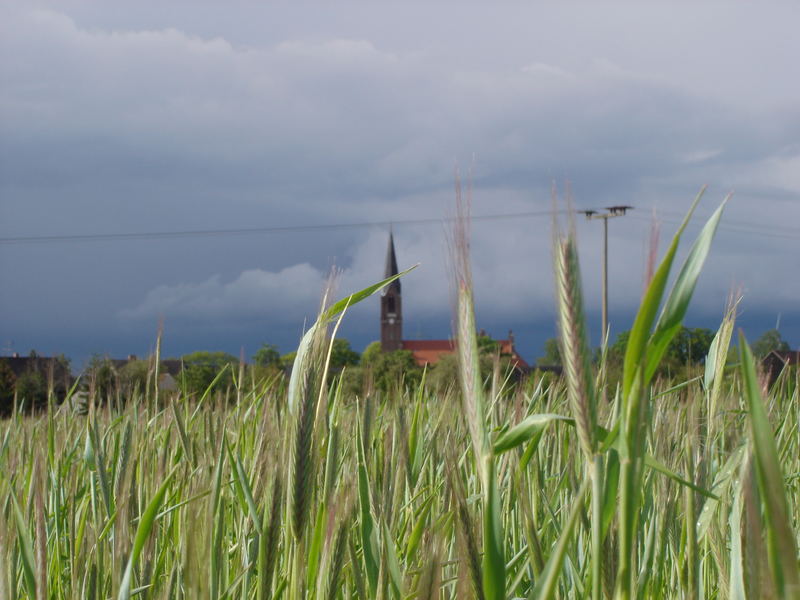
<point>739,227</point>
<point>727,222</point>
<point>733,226</point>
<point>157,235</point>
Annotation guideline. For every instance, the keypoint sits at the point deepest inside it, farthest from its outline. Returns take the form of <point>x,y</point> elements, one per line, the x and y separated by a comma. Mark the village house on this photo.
<point>777,360</point>
<point>53,369</point>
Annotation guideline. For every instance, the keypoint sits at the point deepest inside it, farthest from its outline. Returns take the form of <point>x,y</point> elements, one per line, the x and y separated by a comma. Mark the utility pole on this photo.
<point>610,213</point>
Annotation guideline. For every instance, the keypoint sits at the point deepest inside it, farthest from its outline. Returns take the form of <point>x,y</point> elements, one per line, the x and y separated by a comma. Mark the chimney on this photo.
<point>131,357</point>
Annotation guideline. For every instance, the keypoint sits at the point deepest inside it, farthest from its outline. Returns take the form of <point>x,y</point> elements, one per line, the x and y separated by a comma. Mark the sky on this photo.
<point>146,117</point>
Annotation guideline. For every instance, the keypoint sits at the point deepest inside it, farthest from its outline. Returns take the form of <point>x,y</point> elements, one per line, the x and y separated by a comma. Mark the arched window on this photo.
<point>390,304</point>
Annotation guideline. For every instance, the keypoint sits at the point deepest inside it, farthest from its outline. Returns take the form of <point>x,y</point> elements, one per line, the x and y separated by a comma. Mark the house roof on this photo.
<point>173,366</point>
<point>507,347</point>
<point>428,352</point>
<point>789,357</point>
<point>429,345</point>
<point>42,364</point>
<point>775,362</point>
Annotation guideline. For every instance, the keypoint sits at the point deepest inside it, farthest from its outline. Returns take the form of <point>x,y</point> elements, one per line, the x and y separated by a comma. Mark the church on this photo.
<point>426,352</point>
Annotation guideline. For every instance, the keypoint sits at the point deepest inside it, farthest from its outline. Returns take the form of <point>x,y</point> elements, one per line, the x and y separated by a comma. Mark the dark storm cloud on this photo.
<point>189,120</point>
<point>341,116</point>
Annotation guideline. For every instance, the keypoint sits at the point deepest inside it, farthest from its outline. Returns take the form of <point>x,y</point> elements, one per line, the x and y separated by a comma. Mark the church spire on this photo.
<point>391,266</point>
<point>391,305</point>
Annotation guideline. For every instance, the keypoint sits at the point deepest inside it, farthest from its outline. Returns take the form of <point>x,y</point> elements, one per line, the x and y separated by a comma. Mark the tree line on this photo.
<point>216,372</point>
<point>684,356</point>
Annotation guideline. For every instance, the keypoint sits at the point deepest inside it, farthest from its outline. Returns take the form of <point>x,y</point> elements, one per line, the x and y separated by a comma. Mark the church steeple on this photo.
<point>391,265</point>
<point>391,305</point>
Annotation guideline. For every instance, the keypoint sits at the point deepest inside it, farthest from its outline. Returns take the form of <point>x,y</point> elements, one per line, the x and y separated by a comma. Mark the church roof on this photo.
<point>429,352</point>
<point>440,345</point>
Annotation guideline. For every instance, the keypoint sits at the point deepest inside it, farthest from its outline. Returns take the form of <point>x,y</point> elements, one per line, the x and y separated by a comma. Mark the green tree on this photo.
<point>371,353</point>
<point>267,363</point>
<point>133,376</point>
<point>486,345</point>
<point>616,351</point>
<point>287,360</point>
<point>7,383</point>
<point>102,377</point>
<point>396,368</point>
<point>690,346</point>
<point>390,369</point>
<point>342,355</point>
<point>62,376</point>
<point>552,353</point>
<point>687,350</point>
<point>444,374</point>
<point>352,382</point>
<point>201,368</point>
<point>769,341</point>
<point>267,356</point>
<point>31,389</point>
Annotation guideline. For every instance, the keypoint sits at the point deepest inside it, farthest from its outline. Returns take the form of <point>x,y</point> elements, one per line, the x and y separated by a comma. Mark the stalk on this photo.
<point>493,563</point>
<point>580,387</point>
<point>597,527</point>
<point>630,457</point>
<point>648,341</point>
<point>690,520</point>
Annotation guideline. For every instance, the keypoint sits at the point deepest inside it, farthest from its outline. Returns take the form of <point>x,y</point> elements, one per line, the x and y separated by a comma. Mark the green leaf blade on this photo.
<point>781,543</point>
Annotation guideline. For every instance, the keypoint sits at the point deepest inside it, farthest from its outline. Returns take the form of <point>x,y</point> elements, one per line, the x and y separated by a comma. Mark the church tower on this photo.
<point>391,305</point>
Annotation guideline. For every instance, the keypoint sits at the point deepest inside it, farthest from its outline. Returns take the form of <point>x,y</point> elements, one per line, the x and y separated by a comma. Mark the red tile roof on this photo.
<point>429,352</point>
<point>441,345</point>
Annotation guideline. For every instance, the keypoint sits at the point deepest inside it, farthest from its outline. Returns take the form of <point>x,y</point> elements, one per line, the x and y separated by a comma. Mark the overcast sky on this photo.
<point>123,117</point>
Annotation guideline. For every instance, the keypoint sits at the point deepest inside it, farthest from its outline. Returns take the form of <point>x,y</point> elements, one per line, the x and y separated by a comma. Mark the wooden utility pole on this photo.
<point>610,213</point>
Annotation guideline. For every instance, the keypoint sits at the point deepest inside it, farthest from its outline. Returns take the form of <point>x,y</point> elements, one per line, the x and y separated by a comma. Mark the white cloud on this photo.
<point>779,171</point>
<point>284,294</point>
<point>700,156</point>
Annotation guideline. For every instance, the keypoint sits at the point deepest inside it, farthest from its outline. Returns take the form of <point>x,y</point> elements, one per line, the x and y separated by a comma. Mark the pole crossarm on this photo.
<point>611,211</point>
